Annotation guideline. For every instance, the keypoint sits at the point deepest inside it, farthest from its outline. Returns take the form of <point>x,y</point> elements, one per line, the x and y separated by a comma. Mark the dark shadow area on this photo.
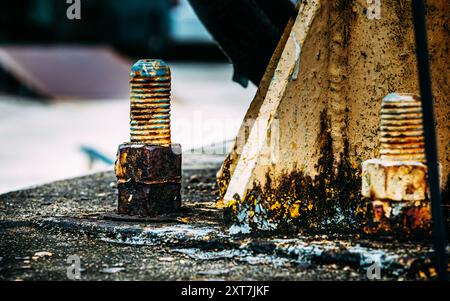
<point>135,28</point>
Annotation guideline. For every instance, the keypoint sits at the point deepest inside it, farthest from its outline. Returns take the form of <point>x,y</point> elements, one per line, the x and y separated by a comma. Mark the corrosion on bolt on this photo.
<point>150,102</point>
<point>148,168</point>
<point>401,128</point>
<point>398,177</point>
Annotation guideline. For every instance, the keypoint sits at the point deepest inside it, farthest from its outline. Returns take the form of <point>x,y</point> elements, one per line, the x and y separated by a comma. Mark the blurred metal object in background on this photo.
<point>63,72</point>
<point>186,27</point>
<point>95,155</point>
<point>135,27</point>
<point>138,24</point>
<point>248,31</point>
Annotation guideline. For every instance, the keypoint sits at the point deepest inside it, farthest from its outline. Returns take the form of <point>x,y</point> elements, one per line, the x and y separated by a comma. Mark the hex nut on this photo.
<point>394,180</point>
<point>149,179</point>
<point>148,199</point>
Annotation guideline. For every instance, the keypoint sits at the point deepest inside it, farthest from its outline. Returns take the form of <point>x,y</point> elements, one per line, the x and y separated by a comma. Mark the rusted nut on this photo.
<point>397,182</point>
<point>149,179</point>
<point>394,180</point>
<point>400,174</point>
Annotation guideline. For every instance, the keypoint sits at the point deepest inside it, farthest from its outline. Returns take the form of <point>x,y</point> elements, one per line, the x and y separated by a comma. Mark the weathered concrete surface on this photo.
<point>73,217</point>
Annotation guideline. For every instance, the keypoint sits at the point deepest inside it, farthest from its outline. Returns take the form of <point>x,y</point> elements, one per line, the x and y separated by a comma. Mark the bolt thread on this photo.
<point>150,102</point>
<point>402,137</point>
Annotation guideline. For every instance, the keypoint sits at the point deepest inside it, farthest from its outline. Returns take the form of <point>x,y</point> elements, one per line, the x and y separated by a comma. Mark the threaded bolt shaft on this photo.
<point>150,102</point>
<point>402,137</point>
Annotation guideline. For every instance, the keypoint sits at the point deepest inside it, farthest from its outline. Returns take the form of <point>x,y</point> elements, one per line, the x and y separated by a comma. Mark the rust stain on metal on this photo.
<point>329,202</point>
<point>398,178</point>
<point>148,168</point>
<point>401,128</point>
<point>150,102</point>
<point>400,174</point>
<point>394,180</point>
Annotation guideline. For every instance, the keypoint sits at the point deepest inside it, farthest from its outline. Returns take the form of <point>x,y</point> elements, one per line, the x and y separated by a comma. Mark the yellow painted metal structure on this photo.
<point>315,118</point>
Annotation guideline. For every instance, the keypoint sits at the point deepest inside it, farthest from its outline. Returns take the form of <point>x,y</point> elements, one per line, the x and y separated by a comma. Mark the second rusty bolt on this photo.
<point>399,176</point>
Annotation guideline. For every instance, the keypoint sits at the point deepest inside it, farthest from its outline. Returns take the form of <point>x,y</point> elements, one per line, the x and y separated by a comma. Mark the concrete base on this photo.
<point>41,227</point>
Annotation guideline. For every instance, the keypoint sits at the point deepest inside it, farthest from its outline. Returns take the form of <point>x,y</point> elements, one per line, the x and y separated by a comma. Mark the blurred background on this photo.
<point>64,104</point>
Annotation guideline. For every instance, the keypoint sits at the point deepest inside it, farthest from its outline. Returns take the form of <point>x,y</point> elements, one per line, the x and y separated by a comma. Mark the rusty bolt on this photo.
<point>400,174</point>
<point>148,168</point>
